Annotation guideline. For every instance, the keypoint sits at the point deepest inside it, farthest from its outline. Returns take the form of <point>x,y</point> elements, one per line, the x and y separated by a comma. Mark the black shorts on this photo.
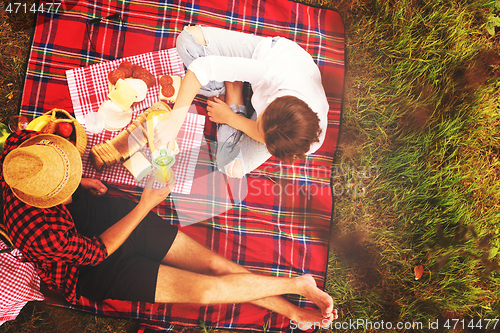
<point>130,273</point>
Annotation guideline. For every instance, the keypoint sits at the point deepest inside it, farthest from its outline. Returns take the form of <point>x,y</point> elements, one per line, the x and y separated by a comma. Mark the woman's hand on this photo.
<point>220,112</point>
<point>94,186</point>
<point>166,131</point>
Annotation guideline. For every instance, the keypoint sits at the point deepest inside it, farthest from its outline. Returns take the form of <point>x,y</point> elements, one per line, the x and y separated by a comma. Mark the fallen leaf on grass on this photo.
<point>419,271</point>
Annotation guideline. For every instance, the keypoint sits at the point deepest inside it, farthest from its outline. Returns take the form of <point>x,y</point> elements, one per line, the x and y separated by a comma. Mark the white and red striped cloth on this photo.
<point>19,284</point>
<point>89,88</point>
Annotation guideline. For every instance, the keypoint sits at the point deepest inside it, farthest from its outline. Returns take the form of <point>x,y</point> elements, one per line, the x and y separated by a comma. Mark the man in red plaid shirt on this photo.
<point>85,243</point>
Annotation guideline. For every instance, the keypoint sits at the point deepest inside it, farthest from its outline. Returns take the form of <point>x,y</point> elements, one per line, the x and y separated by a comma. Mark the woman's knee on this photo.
<point>197,34</point>
<point>189,44</point>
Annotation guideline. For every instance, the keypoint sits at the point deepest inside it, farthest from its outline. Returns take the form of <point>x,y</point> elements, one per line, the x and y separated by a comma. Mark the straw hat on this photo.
<point>43,171</point>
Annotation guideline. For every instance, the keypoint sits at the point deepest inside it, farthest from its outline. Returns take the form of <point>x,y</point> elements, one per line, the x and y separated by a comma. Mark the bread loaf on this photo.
<point>125,144</point>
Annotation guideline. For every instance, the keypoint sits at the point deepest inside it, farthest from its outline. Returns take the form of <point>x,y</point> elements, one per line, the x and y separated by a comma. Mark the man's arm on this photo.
<point>116,235</point>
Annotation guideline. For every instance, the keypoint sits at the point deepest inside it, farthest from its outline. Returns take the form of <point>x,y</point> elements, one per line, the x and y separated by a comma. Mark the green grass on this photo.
<point>421,104</point>
<point>15,32</point>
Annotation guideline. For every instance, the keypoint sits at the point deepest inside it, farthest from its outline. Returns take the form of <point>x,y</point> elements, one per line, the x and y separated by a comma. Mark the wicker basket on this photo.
<point>60,115</point>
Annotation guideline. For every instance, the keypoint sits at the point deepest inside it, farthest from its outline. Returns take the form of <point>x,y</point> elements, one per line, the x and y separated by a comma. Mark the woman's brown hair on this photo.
<point>290,127</point>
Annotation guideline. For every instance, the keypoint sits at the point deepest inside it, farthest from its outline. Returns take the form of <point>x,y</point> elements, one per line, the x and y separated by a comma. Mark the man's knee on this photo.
<point>218,266</point>
<point>235,169</point>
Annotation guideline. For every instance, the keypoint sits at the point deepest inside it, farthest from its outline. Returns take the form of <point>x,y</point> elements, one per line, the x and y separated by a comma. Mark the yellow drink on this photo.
<point>164,175</point>
<point>160,157</point>
<point>162,161</point>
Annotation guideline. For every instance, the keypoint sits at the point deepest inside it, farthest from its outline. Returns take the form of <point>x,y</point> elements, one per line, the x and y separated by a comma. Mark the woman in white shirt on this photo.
<point>290,118</point>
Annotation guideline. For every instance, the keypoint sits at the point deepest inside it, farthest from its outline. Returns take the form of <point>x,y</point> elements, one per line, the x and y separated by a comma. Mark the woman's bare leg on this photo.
<point>234,93</point>
<point>234,96</point>
<point>196,32</point>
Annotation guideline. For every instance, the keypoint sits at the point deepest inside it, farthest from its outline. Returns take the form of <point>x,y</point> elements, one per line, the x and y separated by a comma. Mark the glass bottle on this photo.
<point>160,158</point>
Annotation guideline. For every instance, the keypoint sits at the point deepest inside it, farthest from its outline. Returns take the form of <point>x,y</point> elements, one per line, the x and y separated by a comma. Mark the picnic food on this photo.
<point>126,67</point>
<point>4,132</point>
<point>125,144</point>
<point>38,123</point>
<point>115,118</point>
<point>123,95</point>
<point>50,121</point>
<point>169,87</point>
<point>128,84</point>
<point>122,72</point>
<point>129,80</point>
<point>139,72</point>
<point>140,87</point>
<point>116,75</point>
<point>64,129</point>
<point>94,122</point>
<point>138,166</point>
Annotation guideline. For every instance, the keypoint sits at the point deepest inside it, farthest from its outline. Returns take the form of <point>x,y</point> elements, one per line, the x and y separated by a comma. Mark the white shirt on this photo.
<point>276,69</point>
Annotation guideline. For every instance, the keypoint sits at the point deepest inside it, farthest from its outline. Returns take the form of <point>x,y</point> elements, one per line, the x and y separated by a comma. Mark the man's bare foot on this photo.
<point>307,318</point>
<point>316,295</point>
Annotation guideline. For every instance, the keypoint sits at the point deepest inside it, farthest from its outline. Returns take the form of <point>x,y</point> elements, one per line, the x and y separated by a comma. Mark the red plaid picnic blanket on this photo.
<point>276,221</point>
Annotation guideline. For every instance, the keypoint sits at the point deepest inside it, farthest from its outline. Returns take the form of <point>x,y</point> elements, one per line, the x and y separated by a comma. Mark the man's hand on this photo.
<point>95,186</point>
<point>151,197</point>
<point>115,236</point>
<point>220,112</point>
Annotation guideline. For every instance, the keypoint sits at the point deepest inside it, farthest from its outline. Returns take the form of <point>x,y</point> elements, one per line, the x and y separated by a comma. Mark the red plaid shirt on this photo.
<point>48,237</point>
